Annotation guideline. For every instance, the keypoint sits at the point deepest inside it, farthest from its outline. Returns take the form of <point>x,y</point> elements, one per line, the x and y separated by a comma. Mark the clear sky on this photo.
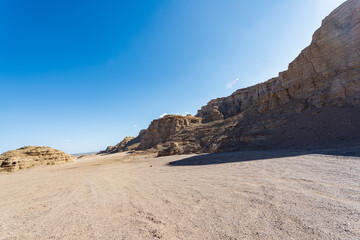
<point>82,75</point>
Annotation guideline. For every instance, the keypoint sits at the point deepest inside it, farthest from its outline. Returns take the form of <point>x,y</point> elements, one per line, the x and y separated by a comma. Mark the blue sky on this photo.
<point>81,75</point>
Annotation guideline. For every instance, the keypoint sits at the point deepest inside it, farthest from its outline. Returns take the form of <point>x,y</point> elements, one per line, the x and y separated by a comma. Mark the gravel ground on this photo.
<point>242,195</point>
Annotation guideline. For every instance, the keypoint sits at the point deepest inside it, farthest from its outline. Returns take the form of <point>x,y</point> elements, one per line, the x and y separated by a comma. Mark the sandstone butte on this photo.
<point>31,156</point>
<point>314,103</point>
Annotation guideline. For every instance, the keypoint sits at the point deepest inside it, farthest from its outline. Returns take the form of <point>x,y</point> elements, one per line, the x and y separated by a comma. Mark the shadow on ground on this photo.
<point>244,156</point>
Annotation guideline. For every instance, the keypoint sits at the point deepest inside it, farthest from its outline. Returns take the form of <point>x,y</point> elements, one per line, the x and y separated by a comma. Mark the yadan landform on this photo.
<point>278,160</point>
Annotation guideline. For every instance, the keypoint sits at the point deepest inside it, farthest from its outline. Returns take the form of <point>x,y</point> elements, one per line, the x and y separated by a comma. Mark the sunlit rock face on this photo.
<point>314,104</point>
<point>161,129</point>
<point>32,156</point>
<point>127,144</point>
<point>324,74</point>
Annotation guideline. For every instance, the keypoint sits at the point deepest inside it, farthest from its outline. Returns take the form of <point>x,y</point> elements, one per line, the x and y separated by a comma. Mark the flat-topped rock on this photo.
<point>32,156</point>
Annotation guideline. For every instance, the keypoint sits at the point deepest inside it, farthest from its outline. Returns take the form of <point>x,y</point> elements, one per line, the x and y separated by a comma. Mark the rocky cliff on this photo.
<point>316,102</point>
<point>325,74</point>
<point>161,129</point>
<point>158,132</point>
<point>31,156</point>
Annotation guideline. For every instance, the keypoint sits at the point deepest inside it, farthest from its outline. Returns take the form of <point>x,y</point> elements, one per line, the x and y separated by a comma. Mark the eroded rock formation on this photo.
<point>316,102</point>
<point>127,144</point>
<point>31,156</point>
<point>161,129</point>
<point>325,74</point>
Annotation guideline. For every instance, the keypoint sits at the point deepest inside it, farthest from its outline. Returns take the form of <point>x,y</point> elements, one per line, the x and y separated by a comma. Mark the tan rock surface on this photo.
<point>127,144</point>
<point>121,146</point>
<point>314,104</point>
<point>325,74</point>
<point>161,129</point>
<point>32,156</point>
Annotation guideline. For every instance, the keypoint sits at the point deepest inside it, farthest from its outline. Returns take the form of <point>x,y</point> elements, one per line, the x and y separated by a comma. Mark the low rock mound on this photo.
<point>32,156</point>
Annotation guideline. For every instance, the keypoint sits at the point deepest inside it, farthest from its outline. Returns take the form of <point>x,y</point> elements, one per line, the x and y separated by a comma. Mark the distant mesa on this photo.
<point>32,156</point>
<point>315,103</point>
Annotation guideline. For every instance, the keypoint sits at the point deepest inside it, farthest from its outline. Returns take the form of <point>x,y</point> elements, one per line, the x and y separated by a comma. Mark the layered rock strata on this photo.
<point>32,156</point>
<point>325,74</point>
<point>315,103</point>
<point>127,144</point>
<point>161,129</point>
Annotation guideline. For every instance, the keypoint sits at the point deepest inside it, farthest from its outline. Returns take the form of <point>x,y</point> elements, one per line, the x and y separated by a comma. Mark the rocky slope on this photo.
<point>158,132</point>
<point>127,144</point>
<point>31,156</point>
<point>315,103</point>
<point>325,73</point>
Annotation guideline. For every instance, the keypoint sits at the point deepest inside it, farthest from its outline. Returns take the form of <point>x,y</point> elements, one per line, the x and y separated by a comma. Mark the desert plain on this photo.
<point>239,195</point>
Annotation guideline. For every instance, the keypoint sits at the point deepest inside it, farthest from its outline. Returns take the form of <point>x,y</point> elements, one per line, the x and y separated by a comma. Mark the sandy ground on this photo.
<point>244,195</point>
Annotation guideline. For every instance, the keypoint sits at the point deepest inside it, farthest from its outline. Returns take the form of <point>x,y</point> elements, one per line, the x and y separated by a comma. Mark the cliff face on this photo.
<point>27,157</point>
<point>158,132</point>
<point>316,102</point>
<point>325,74</point>
<point>161,129</point>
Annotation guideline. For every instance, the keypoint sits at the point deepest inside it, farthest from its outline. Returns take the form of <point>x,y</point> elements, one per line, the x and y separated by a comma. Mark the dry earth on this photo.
<point>243,195</point>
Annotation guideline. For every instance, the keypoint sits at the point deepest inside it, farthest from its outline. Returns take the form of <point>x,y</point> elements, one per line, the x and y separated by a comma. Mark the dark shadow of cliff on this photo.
<point>245,156</point>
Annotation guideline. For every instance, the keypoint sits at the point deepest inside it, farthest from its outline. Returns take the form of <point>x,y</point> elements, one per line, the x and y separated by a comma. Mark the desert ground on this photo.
<point>242,195</point>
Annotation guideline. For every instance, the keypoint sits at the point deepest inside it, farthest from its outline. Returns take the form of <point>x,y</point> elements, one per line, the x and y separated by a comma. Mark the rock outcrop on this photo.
<point>316,102</point>
<point>31,156</point>
<point>161,129</point>
<point>325,74</point>
<point>127,144</point>
<point>121,146</point>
